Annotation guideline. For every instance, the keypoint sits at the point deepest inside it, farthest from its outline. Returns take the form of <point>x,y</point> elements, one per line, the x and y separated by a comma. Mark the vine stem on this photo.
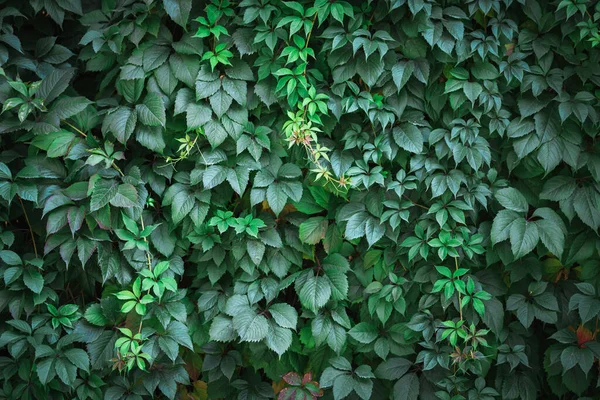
<point>459,296</point>
<point>146,240</point>
<point>311,29</point>
<point>311,155</point>
<point>415,204</point>
<point>148,258</point>
<point>74,127</point>
<point>309,149</point>
<point>118,169</point>
<point>29,225</point>
<point>141,221</point>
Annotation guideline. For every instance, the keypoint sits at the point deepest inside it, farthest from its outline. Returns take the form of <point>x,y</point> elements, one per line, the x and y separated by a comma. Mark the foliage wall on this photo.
<point>391,199</point>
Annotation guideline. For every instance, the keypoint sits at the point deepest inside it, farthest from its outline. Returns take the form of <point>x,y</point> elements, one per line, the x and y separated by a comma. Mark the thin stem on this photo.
<point>146,240</point>
<point>141,220</point>
<point>118,169</point>
<point>311,29</point>
<point>310,151</point>
<point>74,127</point>
<point>29,225</point>
<point>415,204</point>
<point>459,296</point>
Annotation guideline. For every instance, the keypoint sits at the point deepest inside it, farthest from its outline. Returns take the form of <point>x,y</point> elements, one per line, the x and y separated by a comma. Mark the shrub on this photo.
<point>315,199</point>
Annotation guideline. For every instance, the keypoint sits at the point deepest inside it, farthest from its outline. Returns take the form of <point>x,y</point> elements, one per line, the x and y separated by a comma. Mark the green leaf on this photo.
<point>104,191</point>
<point>401,73</point>
<point>79,358</point>
<point>250,326</point>
<point>526,145</point>
<point>45,370</point>
<point>313,230</point>
<point>126,196</point>
<point>151,137</point>
<point>371,70</point>
<point>364,332</point>
<point>5,172</point>
<point>152,111</point>
<point>220,102</point>
<point>197,115</point>
<point>342,386</point>
<point>363,387</point>
<point>154,57</point>
<point>472,91</point>
<point>221,329</point>
<point>67,107</point>
<point>529,106</point>
<point>315,292</point>
<point>163,240</point>
<point>588,306</point>
<point>33,280</point>
<point>524,236</point>
<point>215,133</point>
<point>54,84</point>
<point>585,203</point>
<point>572,356</point>
<point>121,123</point>
<point>180,333</point>
<point>10,257</point>
<point>57,144</point>
<point>338,283</point>
<point>238,179</point>
<point>214,176</point>
<point>374,230</point>
<point>276,197</point>
<point>165,79</point>
<point>178,10</point>
<point>512,199</point>
<point>95,316</point>
<point>279,339</point>
<point>558,188</point>
<point>256,250</point>
<point>409,137</point>
<point>484,71</point>
<point>65,371</point>
<point>284,315</point>
<point>182,205</point>
<point>551,230</point>
<point>185,68</point>
<point>407,388</point>
<point>237,89</point>
<point>393,369</point>
<point>101,349</point>
<point>169,347</point>
<point>519,128</point>
<point>501,225</point>
<point>546,126</point>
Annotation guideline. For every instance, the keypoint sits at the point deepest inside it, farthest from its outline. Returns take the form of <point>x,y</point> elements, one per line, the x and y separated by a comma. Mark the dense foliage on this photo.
<point>314,199</point>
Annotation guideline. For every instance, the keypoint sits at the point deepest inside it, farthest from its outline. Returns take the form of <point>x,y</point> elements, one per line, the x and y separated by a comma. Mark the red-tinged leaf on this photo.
<point>307,377</point>
<point>584,335</point>
<point>314,389</point>
<point>287,394</point>
<point>293,378</point>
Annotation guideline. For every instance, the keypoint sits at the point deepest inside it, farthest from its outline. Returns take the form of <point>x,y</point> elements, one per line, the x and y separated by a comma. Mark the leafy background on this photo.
<point>338,199</point>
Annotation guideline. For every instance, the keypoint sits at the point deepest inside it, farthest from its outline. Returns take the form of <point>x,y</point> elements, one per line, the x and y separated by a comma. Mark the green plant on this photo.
<point>299,199</point>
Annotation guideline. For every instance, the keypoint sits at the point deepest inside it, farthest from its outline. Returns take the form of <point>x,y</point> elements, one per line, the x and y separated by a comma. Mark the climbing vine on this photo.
<point>395,199</point>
